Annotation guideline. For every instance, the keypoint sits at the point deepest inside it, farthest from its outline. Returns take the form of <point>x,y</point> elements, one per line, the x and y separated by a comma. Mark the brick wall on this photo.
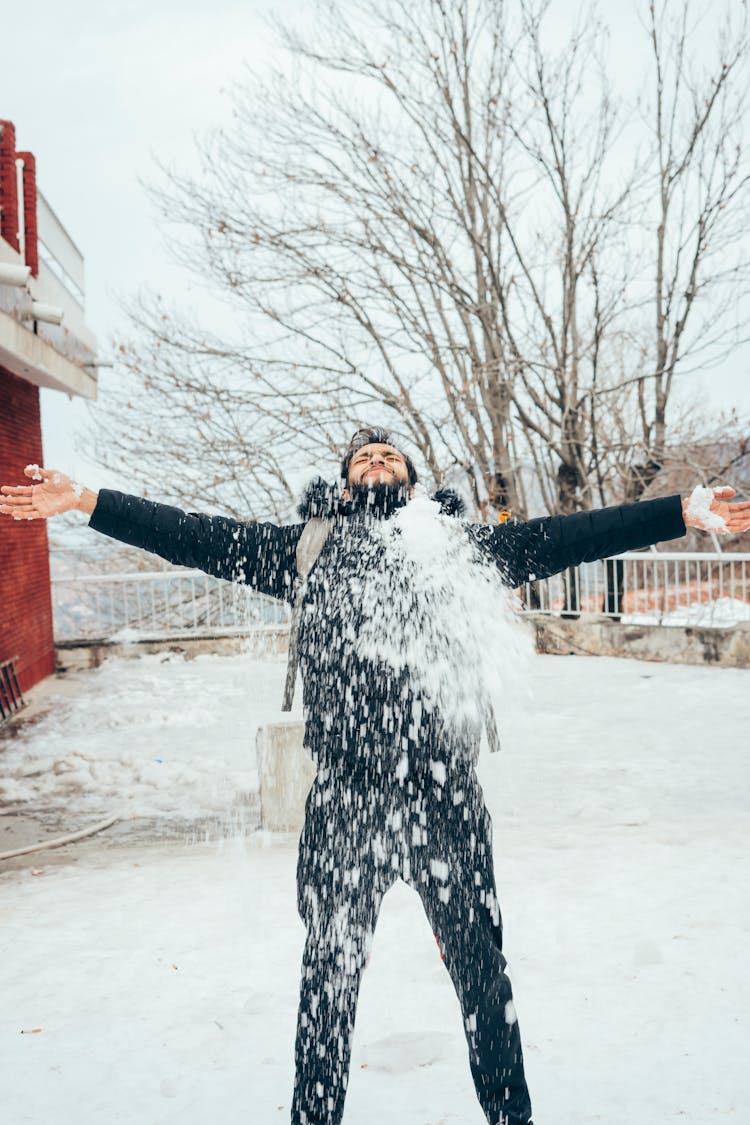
<point>25,595</point>
<point>8,185</point>
<point>9,202</point>
<point>29,212</point>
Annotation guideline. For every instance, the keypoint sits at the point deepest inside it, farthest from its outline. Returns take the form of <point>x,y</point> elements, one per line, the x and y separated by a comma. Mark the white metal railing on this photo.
<point>650,588</point>
<point>58,249</point>
<point>61,282</point>
<point>653,587</point>
<point>155,604</point>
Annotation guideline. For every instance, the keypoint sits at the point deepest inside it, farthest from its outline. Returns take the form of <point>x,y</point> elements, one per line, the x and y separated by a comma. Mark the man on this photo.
<point>396,794</point>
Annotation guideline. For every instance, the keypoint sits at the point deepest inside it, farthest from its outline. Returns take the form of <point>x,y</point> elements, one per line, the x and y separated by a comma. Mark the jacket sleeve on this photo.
<point>261,555</point>
<point>541,547</point>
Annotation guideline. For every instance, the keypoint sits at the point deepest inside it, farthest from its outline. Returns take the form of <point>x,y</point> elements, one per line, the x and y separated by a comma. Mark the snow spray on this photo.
<point>439,609</point>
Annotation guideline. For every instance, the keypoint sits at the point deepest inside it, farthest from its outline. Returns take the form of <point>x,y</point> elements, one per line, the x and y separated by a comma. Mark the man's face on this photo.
<point>377,464</point>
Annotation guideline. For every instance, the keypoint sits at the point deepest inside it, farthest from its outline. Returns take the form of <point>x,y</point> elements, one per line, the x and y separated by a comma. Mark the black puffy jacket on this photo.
<point>361,713</point>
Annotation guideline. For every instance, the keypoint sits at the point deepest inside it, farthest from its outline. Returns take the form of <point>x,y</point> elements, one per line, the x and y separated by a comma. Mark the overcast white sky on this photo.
<point>96,91</point>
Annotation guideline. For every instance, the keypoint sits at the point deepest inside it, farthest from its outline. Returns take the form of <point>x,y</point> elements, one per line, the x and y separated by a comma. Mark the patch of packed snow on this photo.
<point>164,979</point>
<point>126,635</point>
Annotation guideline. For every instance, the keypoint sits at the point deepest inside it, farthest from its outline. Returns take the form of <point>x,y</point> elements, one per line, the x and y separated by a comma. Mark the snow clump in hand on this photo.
<point>699,508</point>
<point>35,470</point>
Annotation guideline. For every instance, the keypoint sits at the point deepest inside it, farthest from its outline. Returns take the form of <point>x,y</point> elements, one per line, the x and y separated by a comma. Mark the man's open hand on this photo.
<point>736,517</point>
<point>54,493</point>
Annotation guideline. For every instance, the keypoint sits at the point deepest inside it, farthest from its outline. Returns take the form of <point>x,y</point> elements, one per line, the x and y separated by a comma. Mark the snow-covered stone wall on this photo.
<point>678,644</point>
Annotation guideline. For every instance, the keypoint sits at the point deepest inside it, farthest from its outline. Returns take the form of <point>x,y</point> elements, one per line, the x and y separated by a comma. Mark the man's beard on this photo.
<point>378,499</point>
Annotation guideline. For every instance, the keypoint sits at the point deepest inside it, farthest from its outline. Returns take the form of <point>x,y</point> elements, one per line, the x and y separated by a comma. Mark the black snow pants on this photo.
<point>359,836</point>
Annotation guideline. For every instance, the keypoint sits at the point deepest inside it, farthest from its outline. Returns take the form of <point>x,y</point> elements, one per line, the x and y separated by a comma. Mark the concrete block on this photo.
<point>286,773</point>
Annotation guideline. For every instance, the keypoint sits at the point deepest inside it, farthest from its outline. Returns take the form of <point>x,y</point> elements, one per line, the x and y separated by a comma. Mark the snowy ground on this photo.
<point>155,737</point>
<point>163,976</point>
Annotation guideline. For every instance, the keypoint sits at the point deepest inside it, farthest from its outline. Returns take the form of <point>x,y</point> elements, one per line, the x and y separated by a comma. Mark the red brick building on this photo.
<point>44,342</point>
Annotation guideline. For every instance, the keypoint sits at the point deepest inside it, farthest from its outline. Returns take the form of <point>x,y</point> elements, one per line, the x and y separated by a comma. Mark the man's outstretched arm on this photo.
<point>261,555</point>
<point>542,547</point>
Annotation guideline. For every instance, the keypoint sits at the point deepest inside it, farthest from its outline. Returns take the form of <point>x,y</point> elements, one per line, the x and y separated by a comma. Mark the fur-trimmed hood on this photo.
<point>323,500</point>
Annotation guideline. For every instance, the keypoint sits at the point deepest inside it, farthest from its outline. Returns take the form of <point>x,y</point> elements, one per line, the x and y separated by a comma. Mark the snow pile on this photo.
<point>699,508</point>
<point>719,613</point>
<point>448,618</point>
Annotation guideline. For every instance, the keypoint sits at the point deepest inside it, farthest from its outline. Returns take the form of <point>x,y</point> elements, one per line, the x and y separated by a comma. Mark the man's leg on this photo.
<point>452,870</point>
<point>342,874</point>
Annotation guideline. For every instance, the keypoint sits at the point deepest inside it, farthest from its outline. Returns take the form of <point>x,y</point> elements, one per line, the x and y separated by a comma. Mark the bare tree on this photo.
<point>699,205</point>
<point>571,273</point>
<point>427,221</point>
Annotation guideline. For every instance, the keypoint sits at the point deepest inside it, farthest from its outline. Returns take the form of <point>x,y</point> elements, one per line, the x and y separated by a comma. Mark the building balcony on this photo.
<point>32,345</point>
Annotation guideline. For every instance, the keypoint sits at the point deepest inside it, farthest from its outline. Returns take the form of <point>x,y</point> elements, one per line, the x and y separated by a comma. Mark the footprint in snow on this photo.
<point>257,1003</point>
<point>406,1051</point>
